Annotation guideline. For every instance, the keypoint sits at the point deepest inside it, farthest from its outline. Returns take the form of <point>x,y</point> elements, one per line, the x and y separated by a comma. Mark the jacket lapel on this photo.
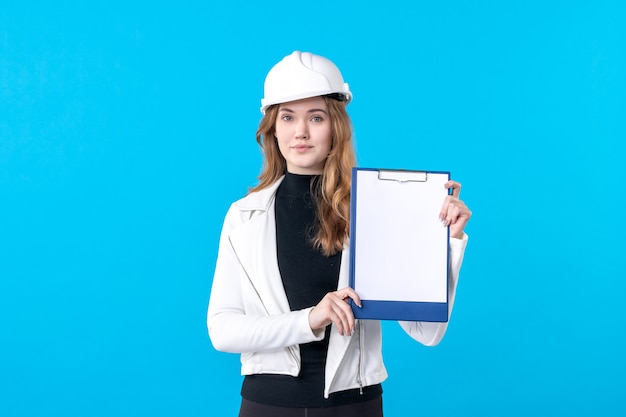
<point>254,243</point>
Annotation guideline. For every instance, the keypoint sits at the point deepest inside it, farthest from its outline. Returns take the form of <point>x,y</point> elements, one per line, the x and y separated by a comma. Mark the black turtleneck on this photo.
<point>307,276</point>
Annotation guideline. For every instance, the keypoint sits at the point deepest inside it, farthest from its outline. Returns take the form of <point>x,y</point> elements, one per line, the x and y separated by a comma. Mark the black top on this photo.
<point>307,276</point>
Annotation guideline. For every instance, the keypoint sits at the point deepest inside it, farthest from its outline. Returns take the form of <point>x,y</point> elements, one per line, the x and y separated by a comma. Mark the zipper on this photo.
<point>360,364</point>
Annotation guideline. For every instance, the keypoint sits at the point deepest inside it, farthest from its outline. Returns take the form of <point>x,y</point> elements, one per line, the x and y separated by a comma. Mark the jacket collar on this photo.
<point>259,200</point>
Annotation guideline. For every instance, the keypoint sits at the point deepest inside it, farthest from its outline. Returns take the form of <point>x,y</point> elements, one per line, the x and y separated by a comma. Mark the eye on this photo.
<point>286,118</point>
<point>317,119</point>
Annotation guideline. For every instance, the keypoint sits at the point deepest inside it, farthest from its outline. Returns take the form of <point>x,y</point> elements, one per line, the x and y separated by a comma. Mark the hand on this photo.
<point>334,308</point>
<point>454,212</point>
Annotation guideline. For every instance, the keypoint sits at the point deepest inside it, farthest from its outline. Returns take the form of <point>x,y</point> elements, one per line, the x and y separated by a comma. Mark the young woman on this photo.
<point>280,290</point>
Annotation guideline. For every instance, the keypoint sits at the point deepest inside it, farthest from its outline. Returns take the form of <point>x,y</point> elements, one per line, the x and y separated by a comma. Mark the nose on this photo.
<point>302,130</point>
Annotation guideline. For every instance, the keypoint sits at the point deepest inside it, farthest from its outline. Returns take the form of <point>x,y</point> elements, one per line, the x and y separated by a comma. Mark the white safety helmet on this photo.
<point>303,75</point>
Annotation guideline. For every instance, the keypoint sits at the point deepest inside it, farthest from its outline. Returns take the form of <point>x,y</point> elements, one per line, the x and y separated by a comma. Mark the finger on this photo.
<point>448,203</point>
<point>357,300</point>
<point>342,318</point>
<point>335,319</point>
<point>348,292</point>
<point>455,186</point>
<point>453,214</point>
<point>348,315</point>
<point>344,311</point>
<point>444,209</point>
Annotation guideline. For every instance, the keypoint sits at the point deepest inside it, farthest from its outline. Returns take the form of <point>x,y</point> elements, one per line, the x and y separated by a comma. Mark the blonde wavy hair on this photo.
<point>332,192</point>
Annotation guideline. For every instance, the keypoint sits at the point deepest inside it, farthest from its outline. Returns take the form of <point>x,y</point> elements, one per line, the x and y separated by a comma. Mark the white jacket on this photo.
<point>249,313</point>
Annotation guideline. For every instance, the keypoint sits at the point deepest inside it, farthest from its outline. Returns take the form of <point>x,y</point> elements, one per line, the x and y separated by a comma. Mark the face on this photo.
<point>304,135</point>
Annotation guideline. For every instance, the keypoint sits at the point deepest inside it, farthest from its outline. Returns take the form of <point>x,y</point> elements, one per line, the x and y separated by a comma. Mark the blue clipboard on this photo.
<point>399,250</point>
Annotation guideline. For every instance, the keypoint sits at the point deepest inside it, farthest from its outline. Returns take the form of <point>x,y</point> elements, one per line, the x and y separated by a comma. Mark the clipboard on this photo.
<point>398,247</point>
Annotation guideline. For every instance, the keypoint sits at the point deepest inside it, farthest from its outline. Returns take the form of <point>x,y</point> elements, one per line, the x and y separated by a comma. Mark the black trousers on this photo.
<point>371,408</point>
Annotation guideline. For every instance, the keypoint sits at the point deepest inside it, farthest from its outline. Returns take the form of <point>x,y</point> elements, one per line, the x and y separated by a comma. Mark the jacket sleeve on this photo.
<point>427,333</point>
<point>237,320</point>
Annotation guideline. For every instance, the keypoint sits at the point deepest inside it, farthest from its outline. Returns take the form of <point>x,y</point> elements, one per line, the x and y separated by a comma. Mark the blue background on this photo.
<point>126,130</point>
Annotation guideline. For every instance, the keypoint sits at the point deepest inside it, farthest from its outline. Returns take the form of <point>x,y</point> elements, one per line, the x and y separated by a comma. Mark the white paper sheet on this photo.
<point>401,247</point>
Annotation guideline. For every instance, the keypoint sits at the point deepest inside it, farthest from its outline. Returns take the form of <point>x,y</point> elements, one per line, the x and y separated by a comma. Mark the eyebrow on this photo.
<point>308,111</point>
